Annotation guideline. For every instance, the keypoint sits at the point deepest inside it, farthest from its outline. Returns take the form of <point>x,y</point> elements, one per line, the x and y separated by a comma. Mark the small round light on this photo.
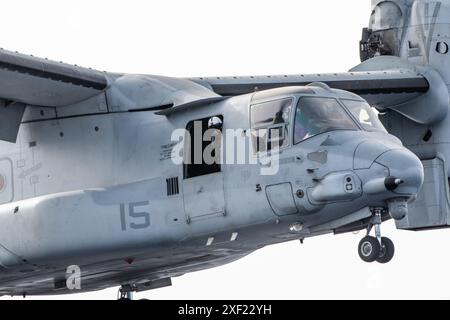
<point>296,227</point>
<point>442,47</point>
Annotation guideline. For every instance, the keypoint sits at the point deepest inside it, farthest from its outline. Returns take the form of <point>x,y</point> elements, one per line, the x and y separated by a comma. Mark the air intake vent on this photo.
<point>172,186</point>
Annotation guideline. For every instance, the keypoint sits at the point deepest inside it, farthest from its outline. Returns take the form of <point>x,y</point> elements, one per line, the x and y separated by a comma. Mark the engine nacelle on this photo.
<point>415,32</point>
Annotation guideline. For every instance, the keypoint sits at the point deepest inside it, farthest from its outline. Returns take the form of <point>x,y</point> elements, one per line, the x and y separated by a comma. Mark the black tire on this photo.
<point>369,249</point>
<point>387,250</point>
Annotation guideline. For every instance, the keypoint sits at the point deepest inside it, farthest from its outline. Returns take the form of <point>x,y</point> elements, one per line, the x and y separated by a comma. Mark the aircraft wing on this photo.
<point>380,88</point>
<point>27,80</point>
<point>419,94</point>
<point>361,83</point>
<point>42,82</point>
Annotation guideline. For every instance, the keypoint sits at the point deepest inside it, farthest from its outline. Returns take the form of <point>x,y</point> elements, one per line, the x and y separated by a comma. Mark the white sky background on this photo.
<point>237,37</point>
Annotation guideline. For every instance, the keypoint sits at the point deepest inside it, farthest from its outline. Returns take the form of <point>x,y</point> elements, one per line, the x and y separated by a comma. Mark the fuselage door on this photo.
<point>203,188</point>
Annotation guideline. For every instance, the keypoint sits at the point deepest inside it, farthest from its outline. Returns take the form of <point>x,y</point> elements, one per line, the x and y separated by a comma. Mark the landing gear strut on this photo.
<point>378,248</point>
<point>125,294</point>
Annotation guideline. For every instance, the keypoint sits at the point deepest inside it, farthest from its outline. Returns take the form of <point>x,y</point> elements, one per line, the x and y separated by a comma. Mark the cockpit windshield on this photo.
<point>316,115</point>
<point>365,115</point>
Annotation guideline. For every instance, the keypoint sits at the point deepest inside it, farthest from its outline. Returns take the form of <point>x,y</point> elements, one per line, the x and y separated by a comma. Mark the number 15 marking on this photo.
<point>133,219</point>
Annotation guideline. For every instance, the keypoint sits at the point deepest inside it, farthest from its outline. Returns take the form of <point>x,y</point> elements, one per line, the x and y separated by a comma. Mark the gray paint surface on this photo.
<point>85,183</point>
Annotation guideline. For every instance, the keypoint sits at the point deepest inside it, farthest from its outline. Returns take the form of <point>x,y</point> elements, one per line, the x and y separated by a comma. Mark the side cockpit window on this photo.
<point>365,115</point>
<point>270,124</point>
<point>316,115</point>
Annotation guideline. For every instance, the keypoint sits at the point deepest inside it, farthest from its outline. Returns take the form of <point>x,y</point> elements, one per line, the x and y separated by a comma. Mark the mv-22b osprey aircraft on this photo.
<point>128,180</point>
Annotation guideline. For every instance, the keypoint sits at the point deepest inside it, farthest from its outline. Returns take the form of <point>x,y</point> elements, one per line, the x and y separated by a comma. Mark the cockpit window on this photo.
<point>365,115</point>
<point>270,113</point>
<point>270,124</point>
<point>316,115</point>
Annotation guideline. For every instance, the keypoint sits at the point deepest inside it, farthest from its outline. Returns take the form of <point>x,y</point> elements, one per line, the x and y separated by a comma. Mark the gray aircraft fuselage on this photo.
<point>94,191</point>
<point>98,188</point>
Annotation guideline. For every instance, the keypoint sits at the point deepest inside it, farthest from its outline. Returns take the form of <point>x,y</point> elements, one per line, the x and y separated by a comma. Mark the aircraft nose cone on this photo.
<point>406,167</point>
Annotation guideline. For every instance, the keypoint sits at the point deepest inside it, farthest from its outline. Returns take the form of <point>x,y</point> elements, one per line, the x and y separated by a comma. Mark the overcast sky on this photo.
<point>237,37</point>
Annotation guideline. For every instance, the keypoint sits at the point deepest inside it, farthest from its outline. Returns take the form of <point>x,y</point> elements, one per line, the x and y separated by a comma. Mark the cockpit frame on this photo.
<point>296,94</point>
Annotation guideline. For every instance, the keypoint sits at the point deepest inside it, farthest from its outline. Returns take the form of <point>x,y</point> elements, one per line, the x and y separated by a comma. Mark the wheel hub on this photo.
<point>366,249</point>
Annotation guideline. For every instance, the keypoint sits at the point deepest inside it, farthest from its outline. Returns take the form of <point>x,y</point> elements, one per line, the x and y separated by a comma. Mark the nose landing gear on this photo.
<point>378,248</point>
<point>387,251</point>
